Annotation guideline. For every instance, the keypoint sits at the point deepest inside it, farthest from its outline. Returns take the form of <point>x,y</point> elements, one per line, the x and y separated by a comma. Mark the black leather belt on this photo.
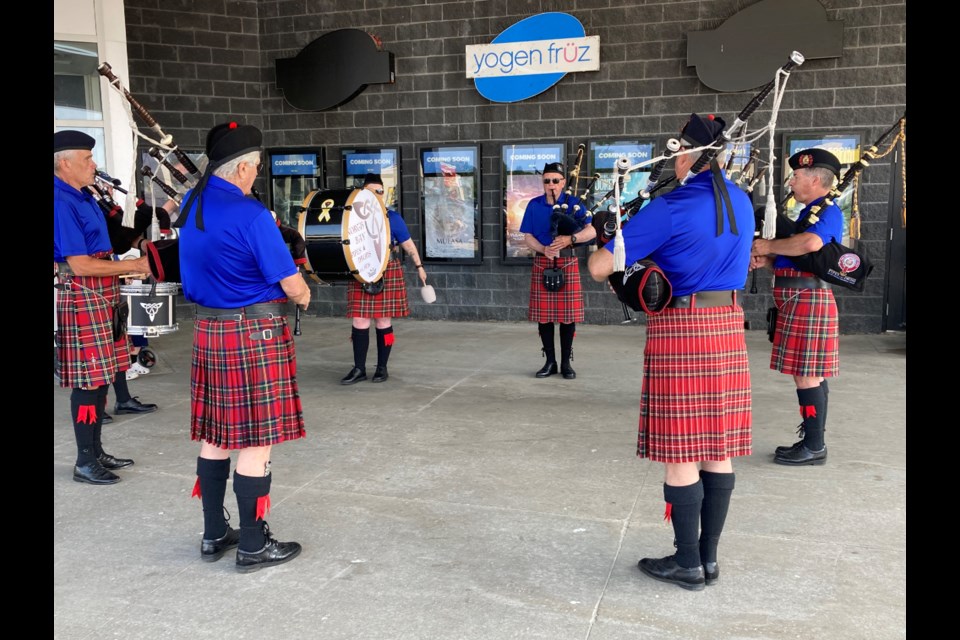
<point>251,312</point>
<point>705,299</point>
<point>789,282</point>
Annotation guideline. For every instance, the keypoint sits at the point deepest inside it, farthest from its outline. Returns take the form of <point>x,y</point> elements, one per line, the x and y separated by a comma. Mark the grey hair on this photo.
<point>823,175</point>
<point>231,168</point>
<point>58,156</point>
<point>720,158</point>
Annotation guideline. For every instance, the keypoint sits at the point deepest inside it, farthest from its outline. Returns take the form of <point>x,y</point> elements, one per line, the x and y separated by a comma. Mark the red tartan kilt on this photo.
<point>564,306</point>
<point>806,342</point>
<point>695,402</point>
<point>243,392</point>
<point>389,303</point>
<point>88,355</point>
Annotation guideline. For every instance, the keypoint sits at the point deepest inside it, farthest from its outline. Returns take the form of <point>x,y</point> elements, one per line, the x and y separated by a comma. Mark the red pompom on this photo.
<point>711,117</point>
<point>233,125</point>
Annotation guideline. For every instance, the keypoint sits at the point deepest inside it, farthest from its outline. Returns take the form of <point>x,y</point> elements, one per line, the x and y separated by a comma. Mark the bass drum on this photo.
<point>347,234</point>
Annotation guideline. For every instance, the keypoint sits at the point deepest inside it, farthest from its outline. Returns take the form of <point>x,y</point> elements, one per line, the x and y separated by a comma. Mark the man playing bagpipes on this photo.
<point>91,336</point>
<point>553,224</point>
<point>806,337</point>
<point>695,401</point>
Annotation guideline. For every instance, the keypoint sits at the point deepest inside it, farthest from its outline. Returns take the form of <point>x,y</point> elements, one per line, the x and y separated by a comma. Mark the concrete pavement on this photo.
<point>463,499</point>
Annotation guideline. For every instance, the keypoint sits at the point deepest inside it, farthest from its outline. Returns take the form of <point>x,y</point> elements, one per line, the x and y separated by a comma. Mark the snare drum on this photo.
<point>153,310</point>
<point>347,234</point>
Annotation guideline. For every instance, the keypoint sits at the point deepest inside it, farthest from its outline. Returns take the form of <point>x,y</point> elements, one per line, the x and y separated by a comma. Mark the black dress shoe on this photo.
<point>356,375</point>
<point>711,573</point>
<point>107,418</point>
<point>568,373</point>
<point>796,445</point>
<point>802,456</point>
<point>133,406</point>
<point>380,375</point>
<point>667,570</point>
<point>781,450</point>
<point>213,550</point>
<point>272,553</point>
<point>94,473</point>
<point>109,462</point>
<point>548,369</point>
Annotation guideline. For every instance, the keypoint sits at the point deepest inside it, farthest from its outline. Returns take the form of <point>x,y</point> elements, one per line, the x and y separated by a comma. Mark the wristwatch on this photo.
<point>573,239</point>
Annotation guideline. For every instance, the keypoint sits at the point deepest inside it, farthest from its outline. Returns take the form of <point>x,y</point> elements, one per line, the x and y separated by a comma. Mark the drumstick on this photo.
<point>296,324</point>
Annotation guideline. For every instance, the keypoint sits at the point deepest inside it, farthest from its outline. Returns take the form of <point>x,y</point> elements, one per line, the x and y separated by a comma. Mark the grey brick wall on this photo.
<point>195,62</point>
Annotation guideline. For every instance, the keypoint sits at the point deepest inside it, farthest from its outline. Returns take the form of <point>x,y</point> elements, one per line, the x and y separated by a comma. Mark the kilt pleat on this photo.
<point>389,303</point>
<point>89,357</point>
<point>806,342</point>
<point>243,392</point>
<point>695,402</point>
<point>564,306</point>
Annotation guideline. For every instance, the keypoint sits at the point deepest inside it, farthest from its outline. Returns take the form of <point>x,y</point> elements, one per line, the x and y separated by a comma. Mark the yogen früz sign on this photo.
<point>520,63</point>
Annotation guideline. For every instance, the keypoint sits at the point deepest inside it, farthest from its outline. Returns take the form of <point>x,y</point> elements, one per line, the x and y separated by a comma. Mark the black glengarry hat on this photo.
<point>701,131</point>
<point>69,139</point>
<point>813,158</point>
<point>553,167</point>
<point>231,140</point>
<point>372,178</point>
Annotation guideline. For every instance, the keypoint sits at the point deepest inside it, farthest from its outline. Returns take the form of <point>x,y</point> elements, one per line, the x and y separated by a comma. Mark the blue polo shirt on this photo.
<point>829,227</point>
<point>398,228</point>
<point>240,257</point>
<point>536,217</point>
<point>79,228</point>
<point>678,231</point>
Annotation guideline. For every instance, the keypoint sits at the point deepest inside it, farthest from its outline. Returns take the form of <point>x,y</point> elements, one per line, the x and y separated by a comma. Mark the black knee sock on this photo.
<point>361,342</point>
<point>826,401</point>
<point>84,408</point>
<point>120,387</point>
<point>811,410</point>
<point>717,489</point>
<point>253,499</point>
<point>546,339</point>
<point>384,344</point>
<point>98,427</point>
<point>567,332</point>
<point>685,505</point>
<point>212,476</point>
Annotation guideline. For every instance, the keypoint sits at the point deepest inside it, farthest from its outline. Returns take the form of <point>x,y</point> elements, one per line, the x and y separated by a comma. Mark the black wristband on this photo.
<point>418,266</point>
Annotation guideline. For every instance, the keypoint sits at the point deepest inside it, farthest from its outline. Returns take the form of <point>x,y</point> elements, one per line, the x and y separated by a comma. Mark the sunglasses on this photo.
<point>552,180</point>
<point>379,192</point>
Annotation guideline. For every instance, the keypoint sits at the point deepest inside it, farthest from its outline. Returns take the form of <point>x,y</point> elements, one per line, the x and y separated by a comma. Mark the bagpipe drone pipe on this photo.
<point>643,286</point>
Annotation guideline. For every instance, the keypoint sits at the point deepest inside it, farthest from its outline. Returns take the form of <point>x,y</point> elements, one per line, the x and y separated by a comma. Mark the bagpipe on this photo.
<point>643,286</point>
<point>834,262</point>
<point>164,254</point>
<point>565,220</point>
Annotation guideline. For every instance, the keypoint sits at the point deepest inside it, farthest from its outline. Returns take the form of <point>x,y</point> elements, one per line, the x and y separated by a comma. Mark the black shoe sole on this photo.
<point>803,463</point>
<point>96,482</point>
<point>683,585</point>
<point>354,381</point>
<point>250,568</point>
<point>213,557</point>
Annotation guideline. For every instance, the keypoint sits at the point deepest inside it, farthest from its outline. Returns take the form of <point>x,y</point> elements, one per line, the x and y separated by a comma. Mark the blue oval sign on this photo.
<point>559,26</point>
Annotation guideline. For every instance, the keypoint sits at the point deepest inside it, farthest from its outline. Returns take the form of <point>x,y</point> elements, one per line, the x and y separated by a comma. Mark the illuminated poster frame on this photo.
<point>358,162</point>
<point>450,204</point>
<point>521,167</point>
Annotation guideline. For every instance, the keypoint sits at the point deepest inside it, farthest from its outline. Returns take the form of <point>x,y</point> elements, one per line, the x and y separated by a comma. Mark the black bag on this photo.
<point>553,279</point>
<point>837,264</point>
<point>373,288</point>
<point>771,322</point>
<point>643,287</point>
<point>120,314</point>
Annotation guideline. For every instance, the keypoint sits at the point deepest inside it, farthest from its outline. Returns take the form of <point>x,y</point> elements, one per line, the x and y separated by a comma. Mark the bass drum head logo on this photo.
<point>555,26</point>
<point>849,262</point>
